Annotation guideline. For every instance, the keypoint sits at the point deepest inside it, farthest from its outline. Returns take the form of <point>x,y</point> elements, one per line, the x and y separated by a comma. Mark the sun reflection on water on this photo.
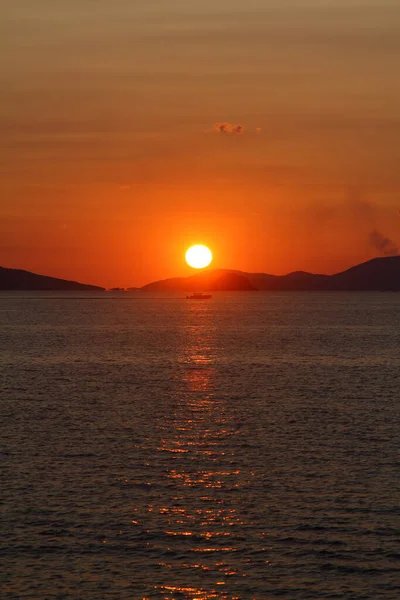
<point>197,514</point>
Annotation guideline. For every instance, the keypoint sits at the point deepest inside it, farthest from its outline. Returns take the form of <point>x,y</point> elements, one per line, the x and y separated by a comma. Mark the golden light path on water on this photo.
<point>202,512</point>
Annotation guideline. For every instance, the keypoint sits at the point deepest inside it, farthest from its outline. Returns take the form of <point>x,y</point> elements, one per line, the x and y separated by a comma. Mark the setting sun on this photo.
<point>199,256</point>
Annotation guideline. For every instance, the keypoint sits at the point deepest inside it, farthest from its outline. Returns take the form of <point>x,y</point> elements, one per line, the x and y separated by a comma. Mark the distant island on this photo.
<point>16,279</point>
<point>378,274</point>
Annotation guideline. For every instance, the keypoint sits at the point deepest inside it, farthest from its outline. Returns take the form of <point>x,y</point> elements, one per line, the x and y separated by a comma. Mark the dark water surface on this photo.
<point>245,447</point>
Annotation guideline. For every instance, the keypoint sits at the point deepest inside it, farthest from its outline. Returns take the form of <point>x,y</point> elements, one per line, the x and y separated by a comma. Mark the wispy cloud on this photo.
<point>229,128</point>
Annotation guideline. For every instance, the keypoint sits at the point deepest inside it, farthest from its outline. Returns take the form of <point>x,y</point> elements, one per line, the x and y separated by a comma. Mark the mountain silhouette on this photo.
<point>378,274</point>
<point>16,279</point>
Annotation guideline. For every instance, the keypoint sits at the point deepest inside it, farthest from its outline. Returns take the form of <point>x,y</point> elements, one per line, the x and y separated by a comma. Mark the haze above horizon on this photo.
<point>133,130</point>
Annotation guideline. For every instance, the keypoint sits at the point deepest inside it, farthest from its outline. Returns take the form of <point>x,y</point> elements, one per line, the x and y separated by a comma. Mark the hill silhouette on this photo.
<point>16,279</point>
<point>378,274</point>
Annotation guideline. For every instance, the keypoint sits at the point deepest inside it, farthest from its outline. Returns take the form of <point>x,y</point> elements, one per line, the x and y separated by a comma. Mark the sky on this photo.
<point>114,160</point>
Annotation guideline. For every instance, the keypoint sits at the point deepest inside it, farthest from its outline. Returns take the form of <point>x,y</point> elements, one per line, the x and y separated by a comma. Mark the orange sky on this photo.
<point>110,162</point>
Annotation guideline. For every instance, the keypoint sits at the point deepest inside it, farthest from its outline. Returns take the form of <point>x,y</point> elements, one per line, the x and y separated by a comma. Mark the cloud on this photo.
<point>229,128</point>
<point>383,244</point>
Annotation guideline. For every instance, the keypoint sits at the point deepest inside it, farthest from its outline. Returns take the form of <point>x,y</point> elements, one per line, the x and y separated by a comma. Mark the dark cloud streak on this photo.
<point>383,244</point>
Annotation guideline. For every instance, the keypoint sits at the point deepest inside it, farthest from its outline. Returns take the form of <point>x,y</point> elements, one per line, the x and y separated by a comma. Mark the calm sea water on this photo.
<point>241,448</point>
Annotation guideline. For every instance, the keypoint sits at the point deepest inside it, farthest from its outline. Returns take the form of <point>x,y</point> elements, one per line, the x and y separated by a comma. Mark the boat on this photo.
<point>198,296</point>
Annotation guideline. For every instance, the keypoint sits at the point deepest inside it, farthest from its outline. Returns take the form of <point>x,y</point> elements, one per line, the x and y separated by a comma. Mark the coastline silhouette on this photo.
<point>378,274</point>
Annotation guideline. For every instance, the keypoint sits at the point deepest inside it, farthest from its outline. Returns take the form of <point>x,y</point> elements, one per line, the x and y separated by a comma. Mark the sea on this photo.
<point>244,447</point>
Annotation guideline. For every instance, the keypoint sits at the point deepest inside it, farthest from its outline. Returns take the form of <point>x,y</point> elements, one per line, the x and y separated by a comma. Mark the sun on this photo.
<point>199,256</point>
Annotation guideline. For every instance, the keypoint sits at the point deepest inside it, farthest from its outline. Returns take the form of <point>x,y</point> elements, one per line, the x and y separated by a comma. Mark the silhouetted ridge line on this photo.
<point>378,274</point>
<point>17,279</point>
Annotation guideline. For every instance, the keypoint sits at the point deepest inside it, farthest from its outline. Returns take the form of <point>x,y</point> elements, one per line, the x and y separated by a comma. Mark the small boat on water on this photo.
<point>198,296</point>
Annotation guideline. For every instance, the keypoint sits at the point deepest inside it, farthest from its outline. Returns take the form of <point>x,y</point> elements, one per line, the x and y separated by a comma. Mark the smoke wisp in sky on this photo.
<point>384,245</point>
